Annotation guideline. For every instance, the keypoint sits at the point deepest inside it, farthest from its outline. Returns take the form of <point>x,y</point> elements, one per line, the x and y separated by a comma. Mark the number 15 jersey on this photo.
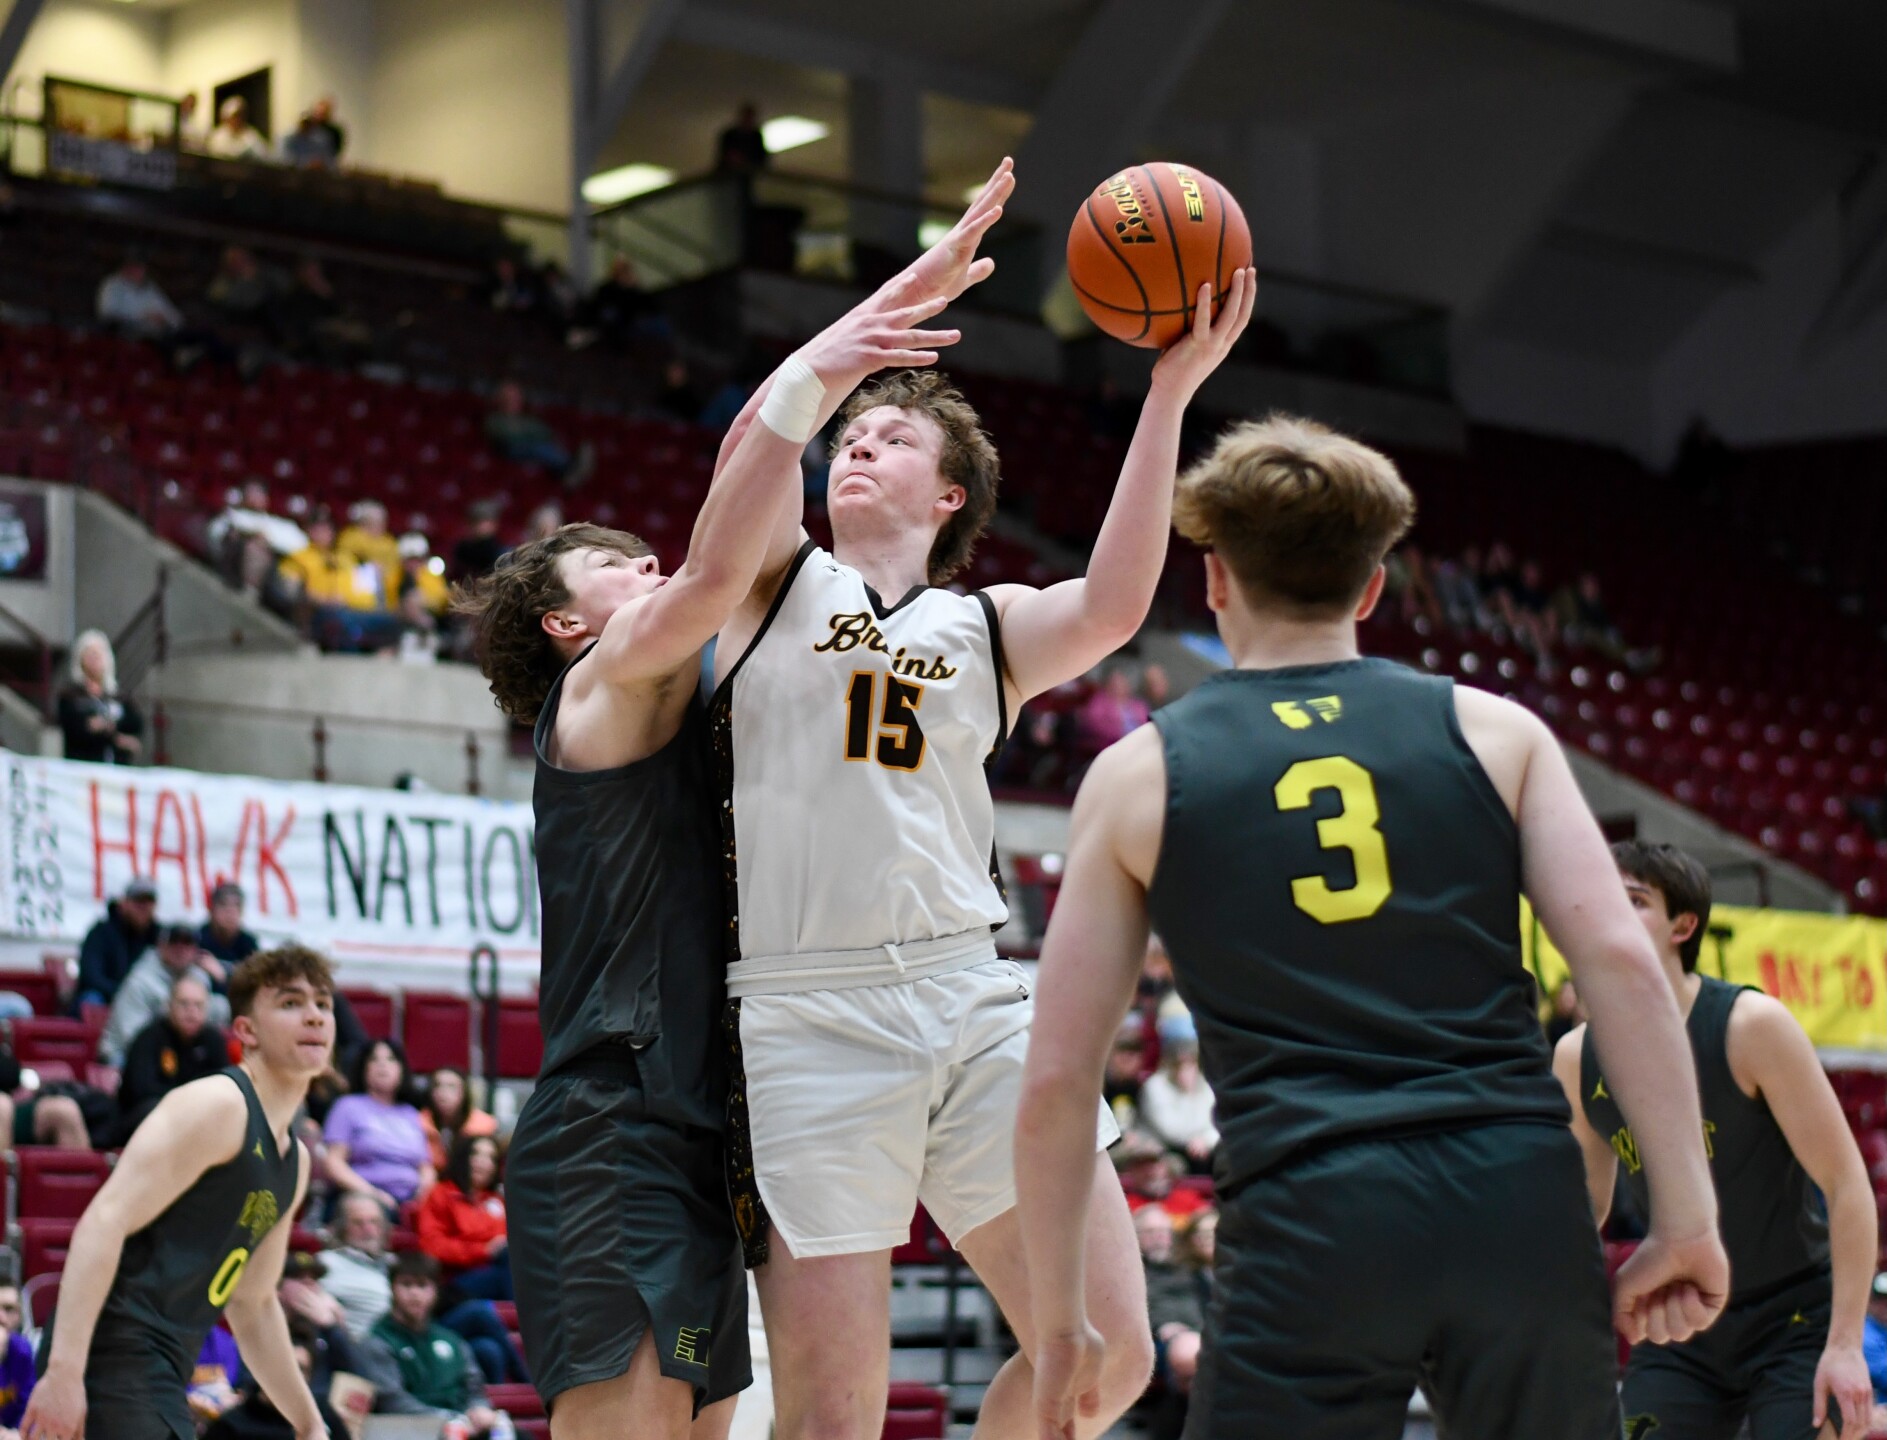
<point>1339,888</point>
<point>853,741</point>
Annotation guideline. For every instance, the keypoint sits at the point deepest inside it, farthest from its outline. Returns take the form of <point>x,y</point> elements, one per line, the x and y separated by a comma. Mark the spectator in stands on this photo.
<point>243,288</point>
<point>324,588</point>
<point>146,994</point>
<point>1172,1300</point>
<point>99,724</point>
<point>234,138</point>
<point>312,322</point>
<point>742,147</point>
<point>51,1115</point>
<point>1035,757</point>
<point>113,945</point>
<point>546,520</point>
<point>1155,688</point>
<point>1459,588</point>
<point>246,541</point>
<point>678,398</point>
<point>424,572</point>
<point>617,309</point>
<point>375,553</point>
<point>477,551</point>
<point>1146,1170</point>
<point>437,1366</point>
<point>1126,1070</point>
<point>376,1144</point>
<point>1873,1339</point>
<point>1112,711</point>
<point>558,297</point>
<point>322,113</point>
<point>318,1315</point>
<point>222,937</point>
<point>449,1113</point>
<point>16,1364</point>
<point>462,1223</point>
<point>212,1387</point>
<point>525,438</point>
<point>132,303</point>
<point>193,131</point>
<point>254,1417</point>
<point>179,1046</point>
<point>1176,1102</point>
<point>314,143</point>
<point>511,288</point>
<point>356,1263</point>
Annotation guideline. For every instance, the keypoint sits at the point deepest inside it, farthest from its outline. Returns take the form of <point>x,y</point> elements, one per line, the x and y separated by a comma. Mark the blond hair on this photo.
<point>1300,515</point>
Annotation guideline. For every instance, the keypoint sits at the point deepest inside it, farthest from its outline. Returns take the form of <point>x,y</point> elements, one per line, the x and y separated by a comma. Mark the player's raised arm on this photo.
<point>1052,635</point>
<point>941,273</point>
<point>1769,1052</point>
<point>195,1128</point>
<point>260,1326</point>
<point>1091,961</point>
<point>1678,1281</point>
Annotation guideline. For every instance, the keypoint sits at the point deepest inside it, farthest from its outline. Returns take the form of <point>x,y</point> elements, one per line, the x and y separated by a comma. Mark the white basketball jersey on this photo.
<point>857,738</point>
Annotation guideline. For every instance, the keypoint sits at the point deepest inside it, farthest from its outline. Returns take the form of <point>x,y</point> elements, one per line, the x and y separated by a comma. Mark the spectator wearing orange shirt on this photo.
<point>449,1113</point>
<point>462,1222</point>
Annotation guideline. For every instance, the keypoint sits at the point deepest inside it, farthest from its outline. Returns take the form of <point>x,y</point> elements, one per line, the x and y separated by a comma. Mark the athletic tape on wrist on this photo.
<point>791,409</point>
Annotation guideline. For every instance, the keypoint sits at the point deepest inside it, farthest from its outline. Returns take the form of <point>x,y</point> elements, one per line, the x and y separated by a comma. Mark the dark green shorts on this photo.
<point>1465,1263</point>
<point>133,1393</point>
<point>619,1224</point>
<point>1756,1363</point>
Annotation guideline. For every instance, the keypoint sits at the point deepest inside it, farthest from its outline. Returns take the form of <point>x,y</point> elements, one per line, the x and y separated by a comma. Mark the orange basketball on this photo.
<point>1145,241</point>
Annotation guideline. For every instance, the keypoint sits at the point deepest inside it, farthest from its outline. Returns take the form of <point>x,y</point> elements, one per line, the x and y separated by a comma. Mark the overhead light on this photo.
<point>626,182</point>
<point>931,231</point>
<point>789,132</point>
<point>970,192</point>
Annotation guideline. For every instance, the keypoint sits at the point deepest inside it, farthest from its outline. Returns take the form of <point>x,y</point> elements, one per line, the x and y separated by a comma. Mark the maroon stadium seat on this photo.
<point>374,1010</point>
<point>916,1412</point>
<point>72,1042</point>
<point>520,1041</point>
<point>520,1402</point>
<point>57,1184</point>
<point>438,1031</point>
<point>36,987</point>
<point>43,1245</point>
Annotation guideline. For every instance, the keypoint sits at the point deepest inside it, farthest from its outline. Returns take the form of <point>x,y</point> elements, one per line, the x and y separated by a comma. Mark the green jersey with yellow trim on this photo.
<point>1339,888</point>
<point>179,1271</point>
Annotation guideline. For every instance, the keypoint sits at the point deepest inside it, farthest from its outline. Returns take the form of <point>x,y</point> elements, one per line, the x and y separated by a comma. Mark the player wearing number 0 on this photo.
<point>1333,849</point>
<point>1787,1353</point>
<point>193,1224</point>
<point>880,1039</point>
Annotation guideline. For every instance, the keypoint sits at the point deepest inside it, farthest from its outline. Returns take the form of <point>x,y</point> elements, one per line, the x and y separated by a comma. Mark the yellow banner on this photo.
<point>1830,970</point>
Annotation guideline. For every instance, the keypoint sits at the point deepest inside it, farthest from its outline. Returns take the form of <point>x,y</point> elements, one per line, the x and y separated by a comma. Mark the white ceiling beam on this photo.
<point>13,34</point>
<point>1693,32</point>
<point>743,32</point>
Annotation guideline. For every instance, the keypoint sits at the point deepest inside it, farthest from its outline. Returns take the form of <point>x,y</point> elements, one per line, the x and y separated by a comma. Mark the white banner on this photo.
<point>354,872</point>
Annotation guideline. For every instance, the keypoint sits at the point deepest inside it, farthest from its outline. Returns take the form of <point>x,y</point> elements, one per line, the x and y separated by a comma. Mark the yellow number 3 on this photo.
<point>1352,828</point>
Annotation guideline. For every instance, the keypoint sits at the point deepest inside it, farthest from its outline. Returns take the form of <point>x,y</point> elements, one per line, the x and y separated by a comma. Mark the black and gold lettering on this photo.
<point>1132,227</point>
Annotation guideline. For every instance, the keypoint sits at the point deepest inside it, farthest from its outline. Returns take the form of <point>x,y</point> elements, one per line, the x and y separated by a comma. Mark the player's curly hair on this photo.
<point>508,606</point>
<point>273,969</point>
<point>968,457</point>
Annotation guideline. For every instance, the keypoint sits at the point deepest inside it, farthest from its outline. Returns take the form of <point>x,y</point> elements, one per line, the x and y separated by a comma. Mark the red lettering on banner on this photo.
<point>168,804</point>
<point>101,847</point>
<point>1783,979</point>
<point>204,878</point>
<point>266,847</point>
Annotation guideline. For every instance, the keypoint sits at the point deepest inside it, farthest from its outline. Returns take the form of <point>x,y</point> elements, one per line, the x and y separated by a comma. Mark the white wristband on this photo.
<point>791,409</point>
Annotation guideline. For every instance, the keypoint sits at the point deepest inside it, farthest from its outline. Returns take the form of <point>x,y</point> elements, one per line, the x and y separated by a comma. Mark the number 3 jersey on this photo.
<point>853,740</point>
<point>1339,888</point>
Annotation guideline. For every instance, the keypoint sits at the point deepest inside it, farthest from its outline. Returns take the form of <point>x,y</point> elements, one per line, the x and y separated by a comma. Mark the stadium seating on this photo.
<point>36,987</point>
<point>43,1245</point>
<point>520,1041</point>
<point>916,1412</point>
<point>69,1042</point>
<point>437,1031</point>
<point>375,1009</point>
<point>56,1184</point>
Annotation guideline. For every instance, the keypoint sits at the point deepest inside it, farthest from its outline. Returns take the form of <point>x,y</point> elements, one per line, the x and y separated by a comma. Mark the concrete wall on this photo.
<point>337,59</point>
<point>255,714</point>
<point>474,93</point>
<point>96,40</point>
<point>212,41</point>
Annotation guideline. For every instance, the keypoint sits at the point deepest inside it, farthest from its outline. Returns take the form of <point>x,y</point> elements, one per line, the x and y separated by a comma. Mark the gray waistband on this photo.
<point>854,969</point>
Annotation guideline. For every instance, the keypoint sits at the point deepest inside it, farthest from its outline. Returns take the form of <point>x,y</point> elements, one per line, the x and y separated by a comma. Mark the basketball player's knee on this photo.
<point>1129,1365</point>
<point>831,1411</point>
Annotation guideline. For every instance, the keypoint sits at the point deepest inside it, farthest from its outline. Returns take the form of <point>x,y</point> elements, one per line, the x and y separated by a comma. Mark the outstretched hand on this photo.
<point>870,339</point>
<point>1196,355</point>
<point>1670,1290</point>
<point>951,266</point>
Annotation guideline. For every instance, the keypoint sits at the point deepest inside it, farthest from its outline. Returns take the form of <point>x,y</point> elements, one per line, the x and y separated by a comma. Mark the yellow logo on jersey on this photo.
<point>1599,1091</point>
<point>1327,708</point>
<point>691,1346</point>
<point>849,632</point>
<point>259,1154</point>
<point>1625,1145</point>
<point>259,1214</point>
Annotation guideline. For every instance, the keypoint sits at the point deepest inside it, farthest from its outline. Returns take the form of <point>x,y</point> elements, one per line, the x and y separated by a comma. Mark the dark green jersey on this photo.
<point>1339,888</point>
<point>1774,1227</point>
<point>179,1271</point>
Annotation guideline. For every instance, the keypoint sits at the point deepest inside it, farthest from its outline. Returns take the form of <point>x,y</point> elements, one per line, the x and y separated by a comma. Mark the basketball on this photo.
<point>1145,240</point>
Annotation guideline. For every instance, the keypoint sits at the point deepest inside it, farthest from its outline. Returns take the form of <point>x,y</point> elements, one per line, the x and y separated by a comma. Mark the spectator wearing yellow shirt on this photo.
<point>423,571</point>
<point>324,585</point>
<point>367,542</point>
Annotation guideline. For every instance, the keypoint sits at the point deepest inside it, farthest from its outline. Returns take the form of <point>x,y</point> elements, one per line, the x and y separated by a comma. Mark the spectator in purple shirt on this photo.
<point>16,1365</point>
<point>1113,710</point>
<point>376,1143</point>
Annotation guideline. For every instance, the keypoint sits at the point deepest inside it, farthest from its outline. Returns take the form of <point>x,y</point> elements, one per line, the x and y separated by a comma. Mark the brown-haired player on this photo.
<point>880,1039</point>
<point>624,1255</point>
<point>1786,1355</point>
<point>193,1224</point>
<point>1333,849</point>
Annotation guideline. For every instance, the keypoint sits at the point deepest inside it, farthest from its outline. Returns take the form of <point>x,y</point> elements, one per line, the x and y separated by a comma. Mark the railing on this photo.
<point>319,731</point>
<point>44,685</point>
